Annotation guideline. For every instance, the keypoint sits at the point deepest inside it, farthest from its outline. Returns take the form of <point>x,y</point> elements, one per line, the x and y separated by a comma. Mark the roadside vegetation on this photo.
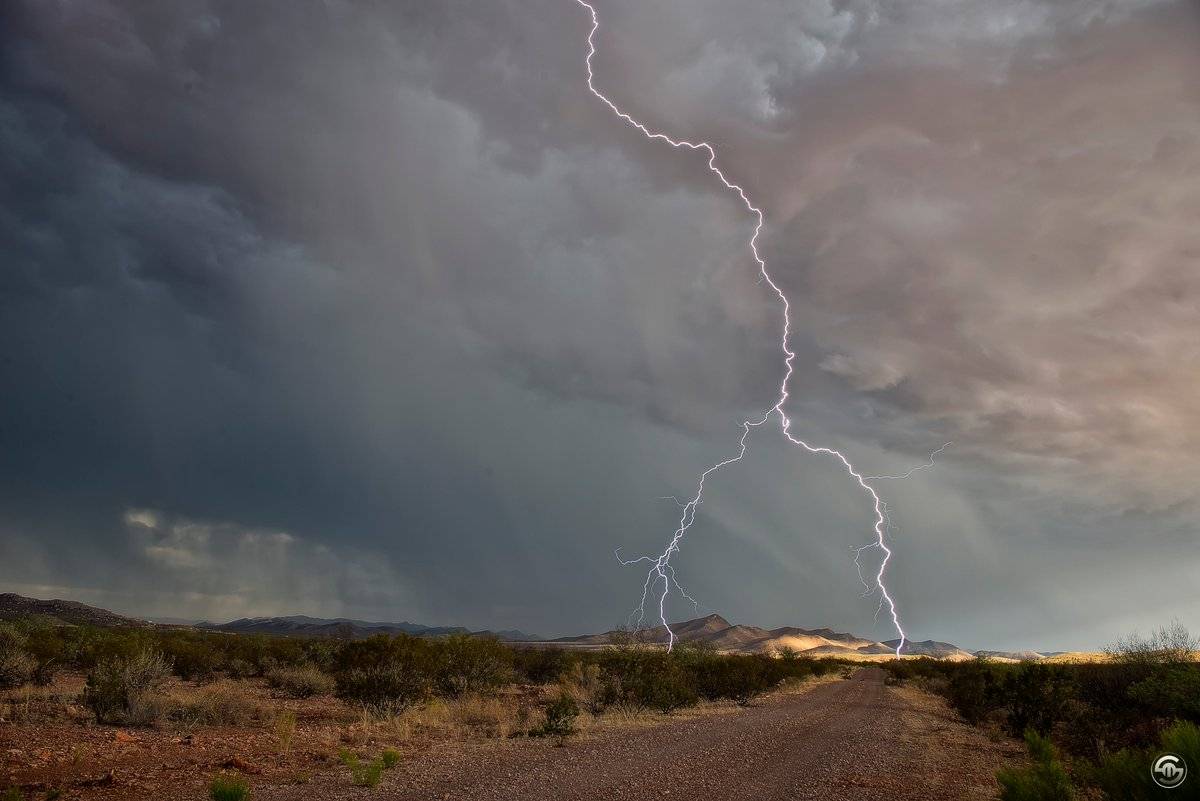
<point>1090,728</point>
<point>348,705</point>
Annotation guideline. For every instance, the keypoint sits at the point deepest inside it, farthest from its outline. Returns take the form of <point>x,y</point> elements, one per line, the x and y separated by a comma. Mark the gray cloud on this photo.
<point>383,289</point>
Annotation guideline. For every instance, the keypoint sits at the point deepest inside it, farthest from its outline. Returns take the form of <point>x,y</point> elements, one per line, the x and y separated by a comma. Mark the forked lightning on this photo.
<point>661,572</point>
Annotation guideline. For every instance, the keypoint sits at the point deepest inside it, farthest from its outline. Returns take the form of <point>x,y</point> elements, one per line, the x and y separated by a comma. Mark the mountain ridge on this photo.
<point>711,630</point>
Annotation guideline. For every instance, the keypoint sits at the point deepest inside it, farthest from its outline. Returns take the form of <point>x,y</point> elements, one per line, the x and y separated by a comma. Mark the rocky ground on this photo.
<point>837,739</point>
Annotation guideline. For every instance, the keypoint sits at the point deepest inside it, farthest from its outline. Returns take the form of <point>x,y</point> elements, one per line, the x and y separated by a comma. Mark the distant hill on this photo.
<point>938,650</point>
<point>70,612</point>
<point>346,628</point>
<point>712,630</point>
<point>719,633</point>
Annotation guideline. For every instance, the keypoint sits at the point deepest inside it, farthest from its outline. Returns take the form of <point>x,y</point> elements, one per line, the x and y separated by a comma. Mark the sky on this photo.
<point>371,309</point>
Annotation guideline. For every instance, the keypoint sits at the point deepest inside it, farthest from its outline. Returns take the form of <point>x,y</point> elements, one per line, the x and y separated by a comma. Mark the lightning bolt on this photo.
<point>660,570</point>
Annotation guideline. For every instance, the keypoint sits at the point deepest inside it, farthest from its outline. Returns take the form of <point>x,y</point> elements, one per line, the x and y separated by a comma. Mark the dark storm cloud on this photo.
<point>372,309</point>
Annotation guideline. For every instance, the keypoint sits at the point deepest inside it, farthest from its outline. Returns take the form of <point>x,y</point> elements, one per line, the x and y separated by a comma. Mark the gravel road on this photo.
<point>853,739</point>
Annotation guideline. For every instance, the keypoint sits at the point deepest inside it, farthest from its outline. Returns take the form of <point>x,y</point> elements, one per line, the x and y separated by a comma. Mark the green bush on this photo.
<point>238,668</point>
<point>362,774</point>
<point>666,686</point>
<point>594,689</point>
<point>542,665</point>
<point>642,678</point>
<point>192,659</point>
<point>48,651</point>
<point>390,758</point>
<point>300,682</point>
<point>1125,774</point>
<point>16,666</point>
<point>559,718</point>
<point>385,674</point>
<point>1173,691</point>
<point>1035,697</point>
<point>228,788</point>
<point>384,690</point>
<point>737,677</point>
<point>1044,780</point>
<point>123,689</point>
<point>974,692</point>
<point>466,664</point>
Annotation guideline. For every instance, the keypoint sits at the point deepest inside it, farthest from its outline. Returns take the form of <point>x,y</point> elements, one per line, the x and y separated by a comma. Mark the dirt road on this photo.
<point>853,739</point>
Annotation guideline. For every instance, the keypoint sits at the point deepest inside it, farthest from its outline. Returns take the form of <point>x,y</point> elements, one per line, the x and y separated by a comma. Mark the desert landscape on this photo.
<point>102,706</point>
<point>599,400</point>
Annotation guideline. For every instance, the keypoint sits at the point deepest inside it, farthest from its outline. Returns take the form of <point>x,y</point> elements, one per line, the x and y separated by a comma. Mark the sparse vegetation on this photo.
<point>301,681</point>
<point>285,729</point>
<point>228,788</point>
<point>466,664</point>
<point>1044,780</point>
<point>16,666</point>
<point>223,703</point>
<point>125,689</point>
<point>362,774</point>
<point>559,721</point>
<point>1108,718</point>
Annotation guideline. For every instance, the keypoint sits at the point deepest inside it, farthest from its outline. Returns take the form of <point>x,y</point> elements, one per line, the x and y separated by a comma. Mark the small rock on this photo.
<point>237,763</point>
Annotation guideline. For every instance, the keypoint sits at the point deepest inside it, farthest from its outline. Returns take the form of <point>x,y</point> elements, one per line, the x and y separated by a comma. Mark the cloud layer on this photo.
<point>384,290</point>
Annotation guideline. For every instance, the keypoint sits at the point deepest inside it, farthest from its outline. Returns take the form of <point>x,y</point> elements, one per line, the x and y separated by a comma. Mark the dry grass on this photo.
<point>470,717</point>
<point>285,729</point>
<point>222,703</point>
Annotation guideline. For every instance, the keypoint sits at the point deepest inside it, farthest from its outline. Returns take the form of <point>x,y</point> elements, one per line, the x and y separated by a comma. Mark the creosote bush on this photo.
<point>124,689</point>
<point>1044,780</point>
<point>16,666</point>
<point>559,718</point>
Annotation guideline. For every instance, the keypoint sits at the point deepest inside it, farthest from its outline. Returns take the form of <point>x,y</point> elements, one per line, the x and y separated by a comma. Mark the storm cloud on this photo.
<point>372,309</point>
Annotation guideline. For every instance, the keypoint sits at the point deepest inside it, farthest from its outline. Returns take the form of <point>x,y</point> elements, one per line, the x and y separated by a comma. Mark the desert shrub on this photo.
<point>738,678</point>
<point>666,686</point>
<point>223,703</point>
<point>390,758</point>
<point>1035,697</point>
<point>124,690</point>
<point>466,664</point>
<point>1125,774</point>
<point>591,687</point>
<point>386,675</point>
<point>974,692</point>
<point>559,718</point>
<point>900,671</point>
<point>1044,780</point>
<point>1172,644</point>
<point>238,668</point>
<point>383,690</point>
<point>322,653</point>
<point>48,651</point>
<point>300,682</point>
<point>191,659</point>
<point>228,788</point>
<point>542,665</point>
<point>1171,691</point>
<point>16,666</point>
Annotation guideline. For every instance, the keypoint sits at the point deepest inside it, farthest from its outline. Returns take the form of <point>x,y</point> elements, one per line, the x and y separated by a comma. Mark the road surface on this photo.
<point>851,739</point>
